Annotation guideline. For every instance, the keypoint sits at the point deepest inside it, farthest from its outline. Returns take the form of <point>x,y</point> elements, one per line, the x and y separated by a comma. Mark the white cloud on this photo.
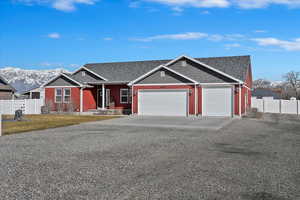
<point>194,3</point>
<point>107,38</point>
<point>180,36</point>
<point>246,4</point>
<point>260,31</point>
<point>193,36</point>
<point>230,46</point>
<point>293,45</point>
<point>205,12</point>
<point>264,3</point>
<point>62,5</point>
<point>54,35</point>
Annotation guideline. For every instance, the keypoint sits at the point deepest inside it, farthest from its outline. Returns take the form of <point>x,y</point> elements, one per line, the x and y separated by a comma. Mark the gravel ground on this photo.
<point>248,159</point>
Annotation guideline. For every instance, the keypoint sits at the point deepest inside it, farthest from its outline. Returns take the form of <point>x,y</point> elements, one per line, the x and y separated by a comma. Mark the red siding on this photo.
<point>89,99</point>
<point>191,96</point>
<point>75,99</point>
<point>115,96</point>
<point>236,100</point>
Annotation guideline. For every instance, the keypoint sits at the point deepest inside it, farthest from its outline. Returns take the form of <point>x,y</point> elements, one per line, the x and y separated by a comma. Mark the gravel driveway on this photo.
<point>248,159</point>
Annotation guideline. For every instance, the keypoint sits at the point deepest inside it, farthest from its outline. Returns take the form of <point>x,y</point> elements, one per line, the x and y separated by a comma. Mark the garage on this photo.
<point>163,102</point>
<point>217,101</point>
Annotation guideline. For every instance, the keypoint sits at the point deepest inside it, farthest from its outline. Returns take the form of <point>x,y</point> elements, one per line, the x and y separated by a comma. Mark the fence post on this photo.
<point>280,102</point>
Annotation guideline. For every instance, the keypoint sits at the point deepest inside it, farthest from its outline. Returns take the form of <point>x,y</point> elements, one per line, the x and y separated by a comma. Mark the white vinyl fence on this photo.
<point>28,106</point>
<point>276,106</point>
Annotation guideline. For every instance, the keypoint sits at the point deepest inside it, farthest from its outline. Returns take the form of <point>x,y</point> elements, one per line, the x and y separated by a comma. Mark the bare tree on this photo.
<point>292,79</point>
<point>261,83</point>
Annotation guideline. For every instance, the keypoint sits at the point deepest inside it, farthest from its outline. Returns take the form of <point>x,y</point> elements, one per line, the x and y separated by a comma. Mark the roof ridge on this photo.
<point>164,60</point>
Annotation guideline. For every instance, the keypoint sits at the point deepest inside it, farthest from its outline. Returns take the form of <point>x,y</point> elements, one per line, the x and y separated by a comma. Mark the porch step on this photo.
<point>111,112</point>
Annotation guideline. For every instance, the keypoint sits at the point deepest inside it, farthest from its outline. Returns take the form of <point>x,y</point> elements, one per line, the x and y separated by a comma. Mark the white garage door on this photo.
<point>217,101</point>
<point>162,102</point>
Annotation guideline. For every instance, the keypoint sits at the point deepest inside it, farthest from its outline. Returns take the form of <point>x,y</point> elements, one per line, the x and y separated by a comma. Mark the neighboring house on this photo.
<point>219,86</point>
<point>268,93</point>
<point>35,93</point>
<point>6,90</point>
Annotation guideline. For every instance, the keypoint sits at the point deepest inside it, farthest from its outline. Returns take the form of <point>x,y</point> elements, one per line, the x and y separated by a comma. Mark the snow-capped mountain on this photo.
<point>23,79</point>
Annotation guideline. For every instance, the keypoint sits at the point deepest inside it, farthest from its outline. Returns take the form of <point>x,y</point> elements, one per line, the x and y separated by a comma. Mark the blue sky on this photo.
<point>45,34</point>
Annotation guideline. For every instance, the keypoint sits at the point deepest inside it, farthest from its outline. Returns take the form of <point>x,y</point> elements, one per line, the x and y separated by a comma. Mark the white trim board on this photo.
<point>157,84</point>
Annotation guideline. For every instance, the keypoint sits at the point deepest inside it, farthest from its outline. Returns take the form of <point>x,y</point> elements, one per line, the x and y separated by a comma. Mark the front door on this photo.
<point>99,98</point>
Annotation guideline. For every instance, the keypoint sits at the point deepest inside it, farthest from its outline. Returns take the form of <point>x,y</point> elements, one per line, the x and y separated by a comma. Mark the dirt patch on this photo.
<point>228,148</point>
<point>262,196</point>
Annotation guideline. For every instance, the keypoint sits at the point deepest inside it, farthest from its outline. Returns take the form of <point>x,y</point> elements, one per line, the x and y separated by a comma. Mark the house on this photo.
<point>34,93</point>
<point>217,86</point>
<point>6,90</point>
<point>268,93</point>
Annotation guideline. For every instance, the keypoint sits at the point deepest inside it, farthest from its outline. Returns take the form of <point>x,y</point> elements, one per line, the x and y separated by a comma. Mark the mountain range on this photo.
<point>24,79</point>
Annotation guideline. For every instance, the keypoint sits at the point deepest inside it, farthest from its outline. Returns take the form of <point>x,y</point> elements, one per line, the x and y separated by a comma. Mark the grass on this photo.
<point>40,122</point>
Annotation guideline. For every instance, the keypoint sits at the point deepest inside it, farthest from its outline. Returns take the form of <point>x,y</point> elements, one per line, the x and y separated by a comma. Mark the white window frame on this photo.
<point>64,95</point>
<point>55,100</point>
<point>127,96</point>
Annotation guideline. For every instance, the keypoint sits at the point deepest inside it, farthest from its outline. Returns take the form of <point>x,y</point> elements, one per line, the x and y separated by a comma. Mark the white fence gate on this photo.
<point>276,106</point>
<point>28,106</point>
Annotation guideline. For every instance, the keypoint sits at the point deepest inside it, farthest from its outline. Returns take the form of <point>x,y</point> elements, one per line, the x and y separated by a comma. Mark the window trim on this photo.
<point>55,95</point>
<point>127,96</point>
<point>64,95</point>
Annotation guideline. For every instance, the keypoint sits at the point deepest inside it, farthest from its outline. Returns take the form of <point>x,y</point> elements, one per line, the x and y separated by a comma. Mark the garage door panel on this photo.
<point>162,102</point>
<point>217,101</point>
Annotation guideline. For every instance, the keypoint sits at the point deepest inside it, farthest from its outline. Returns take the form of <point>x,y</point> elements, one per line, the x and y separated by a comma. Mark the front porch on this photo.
<point>107,99</point>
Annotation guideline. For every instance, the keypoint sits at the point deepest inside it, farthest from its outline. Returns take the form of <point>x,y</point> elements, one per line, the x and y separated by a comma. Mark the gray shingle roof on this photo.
<point>235,66</point>
<point>4,85</point>
<point>265,92</point>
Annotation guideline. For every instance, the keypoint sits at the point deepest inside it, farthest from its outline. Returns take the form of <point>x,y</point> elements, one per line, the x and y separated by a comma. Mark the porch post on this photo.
<point>240,101</point>
<point>196,99</point>
<point>103,96</point>
<point>81,99</point>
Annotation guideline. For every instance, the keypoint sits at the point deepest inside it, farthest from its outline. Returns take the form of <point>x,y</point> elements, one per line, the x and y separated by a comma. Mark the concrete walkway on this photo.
<point>214,123</point>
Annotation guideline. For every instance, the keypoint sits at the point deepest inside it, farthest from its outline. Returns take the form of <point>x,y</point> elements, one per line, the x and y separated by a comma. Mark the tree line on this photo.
<point>289,87</point>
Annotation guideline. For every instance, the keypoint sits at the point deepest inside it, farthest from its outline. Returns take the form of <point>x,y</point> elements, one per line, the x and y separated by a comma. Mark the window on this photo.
<point>58,95</point>
<point>83,73</point>
<point>162,73</point>
<point>124,95</point>
<point>67,95</point>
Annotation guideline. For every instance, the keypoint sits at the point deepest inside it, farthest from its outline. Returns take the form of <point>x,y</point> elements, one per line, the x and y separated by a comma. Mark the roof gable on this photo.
<point>199,72</point>
<point>61,80</point>
<point>163,76</point>
<point>234,66</point>
<point>87,77</point>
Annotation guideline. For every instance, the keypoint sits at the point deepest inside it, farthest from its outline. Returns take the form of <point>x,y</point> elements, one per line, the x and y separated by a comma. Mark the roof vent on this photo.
<point>162,74</point>
<point>83,73</point>
<point>183,63</point>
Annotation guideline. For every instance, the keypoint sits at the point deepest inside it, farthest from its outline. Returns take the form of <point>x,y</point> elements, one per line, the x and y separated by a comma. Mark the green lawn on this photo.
<point>39,122</point>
